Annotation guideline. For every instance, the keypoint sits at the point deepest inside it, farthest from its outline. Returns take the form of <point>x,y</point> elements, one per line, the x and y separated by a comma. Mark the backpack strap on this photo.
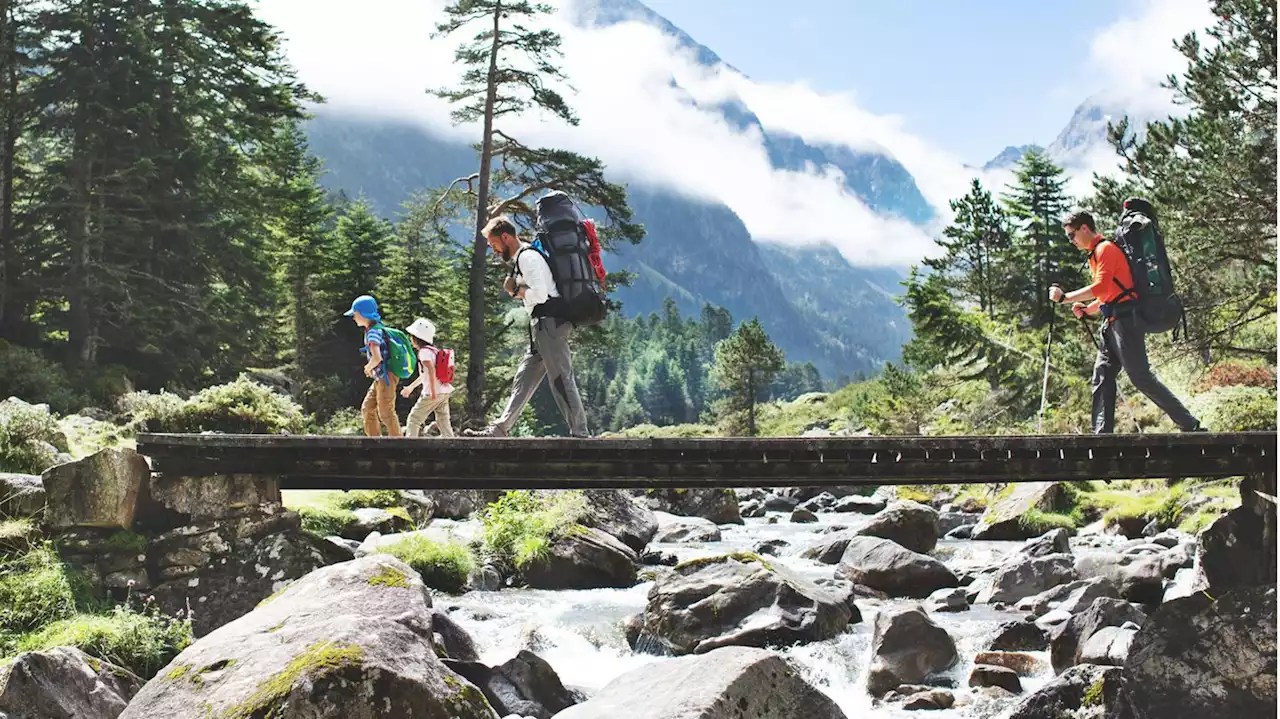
<point>1125,292</point>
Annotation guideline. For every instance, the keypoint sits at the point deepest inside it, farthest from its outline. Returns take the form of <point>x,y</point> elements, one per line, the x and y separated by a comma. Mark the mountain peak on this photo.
<point>1009,157</point>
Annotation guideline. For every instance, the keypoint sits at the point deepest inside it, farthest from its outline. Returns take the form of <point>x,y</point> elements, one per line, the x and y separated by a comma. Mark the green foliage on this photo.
<point>379,498</point>
<point>28,437</point>
<point>324,522</point>
<point>141,642</point>
<point>1236,408</point>
<point>1037,522</point>
<point>37,588</point>
<point>346,421</point>
<point>17,536</point>
<point>239,407</point>
<point>746,364</point>
<point>28,374</point>
<point>521,526</point>
<point>1039,254</point>
<point>898,402</point>
<point>443,566</point>
<point>313,664</point>
<point>646,431</point>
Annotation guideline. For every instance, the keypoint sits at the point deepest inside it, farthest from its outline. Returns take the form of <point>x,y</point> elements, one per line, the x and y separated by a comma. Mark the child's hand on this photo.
<point>406,391</point>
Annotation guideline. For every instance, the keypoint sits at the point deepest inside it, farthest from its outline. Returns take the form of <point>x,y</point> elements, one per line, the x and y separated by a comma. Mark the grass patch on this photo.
<point>389,577</point>
<point>646,431</point>
<point>1037,522</point>
<point>324,522</point>
<point>141,643</point>
<point>37,588</point>
<point>318,660</point>
<point>520,527</point>
<point>18,536</point>
<point>744,557</point>
<point>378,498</point>
<point>28,437</point>
<point>1093,696</point>
<point>915,493</point>
<point>442,565</point>
<point>126,542</point>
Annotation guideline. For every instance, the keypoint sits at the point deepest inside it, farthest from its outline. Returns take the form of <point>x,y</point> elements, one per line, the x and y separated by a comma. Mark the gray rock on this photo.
<point>1171,538</point>
<point>673,529</point>
<point>885,566</point>
<point>718,505</point>
<point>750,494</point>
<point>751,508</point>
<point>1055,541</point>
<point>1023,664</point>
<point>616,513</point>
<point>771,546</point>
<point>829,547</point>
<point>485,578</point>
<point>986,675</point>
<point>461,503</point>
<point>1019,636</point>
<point>950,521</point>
<point>962,532</point>
<point>1108,646</point>
<point>910,524</point>
<point>372,519</point>
<point>64,683</point>
<point>1098,689</point>
<point>1023,578</point>
<point>800,515</point>
<point>21,495</point>
<point>1138,578</point>
<point>738,600</point>
<point>101,490</point>
<point>776,503</point>
<point>727,683</point>
<point>177,500</point>
<point>1003,517</point>
<point>820,503</point>
<point>948,600</point>
<point>526,685</point>
<point>451,640</point>
<point>1067,639</point>
<point>350,640</point>
<point>1206,657</point>
<point>930,700</point>
<point>1239,548</point>
<point>906,647</point>
<point>1072,597</point>
<point>858,505</point>
<point>583,559</point>
<point>418,506</point>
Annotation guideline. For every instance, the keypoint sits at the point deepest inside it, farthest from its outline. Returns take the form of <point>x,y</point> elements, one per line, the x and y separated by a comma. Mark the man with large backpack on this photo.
<point>1129,312</point>
<point>553,277</point>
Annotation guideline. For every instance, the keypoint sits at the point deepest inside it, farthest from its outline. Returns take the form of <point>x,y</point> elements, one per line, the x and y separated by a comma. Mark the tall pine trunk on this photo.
<point>751,403</point>
<point>475,317</point>
<point>10,315</point>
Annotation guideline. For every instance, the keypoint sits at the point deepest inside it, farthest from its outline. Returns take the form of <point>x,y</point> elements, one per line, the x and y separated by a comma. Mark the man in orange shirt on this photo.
<point>1124,344</point>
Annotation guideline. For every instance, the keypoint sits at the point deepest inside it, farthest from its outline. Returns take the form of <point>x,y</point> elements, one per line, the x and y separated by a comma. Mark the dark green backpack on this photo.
<point>402,360</point>
<point>1138,234</point>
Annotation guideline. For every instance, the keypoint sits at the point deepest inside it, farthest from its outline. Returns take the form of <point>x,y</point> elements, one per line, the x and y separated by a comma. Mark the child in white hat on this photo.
<point>435,376</point>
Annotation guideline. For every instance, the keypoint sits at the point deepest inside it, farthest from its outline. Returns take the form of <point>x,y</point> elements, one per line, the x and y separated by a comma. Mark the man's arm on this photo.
<point>537,278</point>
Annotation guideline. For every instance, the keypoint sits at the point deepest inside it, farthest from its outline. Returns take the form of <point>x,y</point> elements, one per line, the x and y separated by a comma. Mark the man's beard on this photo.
<point>506,254</point>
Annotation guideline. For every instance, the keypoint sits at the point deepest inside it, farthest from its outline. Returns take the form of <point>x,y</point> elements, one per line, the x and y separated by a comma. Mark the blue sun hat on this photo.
<point>366,306</point>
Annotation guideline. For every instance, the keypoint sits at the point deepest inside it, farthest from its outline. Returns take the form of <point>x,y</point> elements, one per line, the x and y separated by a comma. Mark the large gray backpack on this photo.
<point>562,237</point>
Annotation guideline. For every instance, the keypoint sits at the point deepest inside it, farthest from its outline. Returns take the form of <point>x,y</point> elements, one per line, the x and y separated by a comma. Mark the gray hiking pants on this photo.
<point>1124,346</point>
<point>548,357</point>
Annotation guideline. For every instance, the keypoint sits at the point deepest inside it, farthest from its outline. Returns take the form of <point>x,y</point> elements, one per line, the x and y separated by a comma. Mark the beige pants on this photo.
<point>380,405</point>
<point>423,409</point>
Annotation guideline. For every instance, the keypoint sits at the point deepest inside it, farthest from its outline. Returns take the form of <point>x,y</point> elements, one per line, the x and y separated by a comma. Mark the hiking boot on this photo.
<point>1198,428</point>
<point>492,430</point>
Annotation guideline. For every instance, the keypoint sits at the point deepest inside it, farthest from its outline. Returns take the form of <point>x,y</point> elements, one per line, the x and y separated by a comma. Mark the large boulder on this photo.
<point>1206,656</point>
<point>375,519</point>
<point>617,513</point>
<point>858,504</point>
<point>1137,577</point>
<point>1028,577</point>
<point>177,500</point>
<point>461,503</point>
<point>21,495</point>
<point>1108,646</point>
<point>1068,639</point>
<point>1239,548</point>
<point>1072,597</point>
<point>64,683</point>
<point>907,647</point>
<point>893,569</point>
<point>718,505</point>
<point>679,530</point>
<point>583,559</point>
<point>742,600</point>
<point>910,524</point>
<point>220,569</point>
<point>101,490</point>
<point>1085,690</point>
<point>828,548</point>
<point>526,685</point>
<point>1003,518</point>
<point>351,640</point>
<point>1055,541</point>
<point>727,683</point>
<point>1020,636</point>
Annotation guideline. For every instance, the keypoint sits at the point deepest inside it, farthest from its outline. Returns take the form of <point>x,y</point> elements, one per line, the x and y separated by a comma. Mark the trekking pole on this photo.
<point>1044,384</point>
<point>1084,324</point>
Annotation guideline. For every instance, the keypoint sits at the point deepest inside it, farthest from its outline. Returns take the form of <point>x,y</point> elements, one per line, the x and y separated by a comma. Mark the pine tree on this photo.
<point>746,364</point>
<point>510,70</point>
<point>1041,254</point>
<point>977,244</point>
<point>362,240</point>
<point>1212,178</point>
<point>18,253</point>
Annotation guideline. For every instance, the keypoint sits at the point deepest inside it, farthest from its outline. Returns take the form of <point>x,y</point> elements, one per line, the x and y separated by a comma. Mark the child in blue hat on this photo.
<point>380,402</point>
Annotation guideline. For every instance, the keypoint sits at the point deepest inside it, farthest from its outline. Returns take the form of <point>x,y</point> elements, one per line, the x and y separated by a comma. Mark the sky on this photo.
<point>939,90</point>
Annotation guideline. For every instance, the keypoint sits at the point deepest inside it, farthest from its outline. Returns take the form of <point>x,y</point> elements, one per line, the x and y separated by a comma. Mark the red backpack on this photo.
<point>444,365</point>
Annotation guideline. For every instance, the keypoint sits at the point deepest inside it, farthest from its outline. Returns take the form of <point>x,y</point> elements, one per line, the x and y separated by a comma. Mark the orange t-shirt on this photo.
<point>1109,265</point>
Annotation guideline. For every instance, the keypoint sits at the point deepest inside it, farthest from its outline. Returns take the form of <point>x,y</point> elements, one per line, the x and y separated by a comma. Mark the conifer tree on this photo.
<point>1041,254</point>
<point>977,245</point>
<point>746,364</point>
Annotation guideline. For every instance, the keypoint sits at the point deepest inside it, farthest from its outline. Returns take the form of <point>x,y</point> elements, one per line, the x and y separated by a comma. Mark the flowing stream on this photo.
<point>580,631</point>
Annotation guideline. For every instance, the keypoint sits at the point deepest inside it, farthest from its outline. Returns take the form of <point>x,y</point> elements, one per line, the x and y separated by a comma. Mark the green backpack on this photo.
<point>403,361</point>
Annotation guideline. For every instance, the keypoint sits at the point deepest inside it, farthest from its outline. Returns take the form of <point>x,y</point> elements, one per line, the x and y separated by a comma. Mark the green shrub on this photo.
<point>30,375</point>
<point>1236,408</point>
<point>646,431</point>
<point>239,407</point>
<point>141,643</point>
<point>325,521</point>
<point>443,566</point>
<point>379,498</point>
<point>346,421</point>
<point>37,588</point>
<point>28,437</point>
<point>1037,522</point>
<point>521,525</point>
<point>18,536</point>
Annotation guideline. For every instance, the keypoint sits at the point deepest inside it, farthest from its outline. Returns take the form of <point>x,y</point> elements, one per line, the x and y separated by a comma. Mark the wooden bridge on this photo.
<point>315,462</point>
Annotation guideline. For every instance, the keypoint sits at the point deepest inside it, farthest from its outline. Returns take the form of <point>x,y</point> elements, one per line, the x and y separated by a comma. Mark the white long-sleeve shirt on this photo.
<point>535,276</point>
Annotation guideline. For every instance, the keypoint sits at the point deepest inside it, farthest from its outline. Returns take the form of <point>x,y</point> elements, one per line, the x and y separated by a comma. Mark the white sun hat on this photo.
<point>424,329</point>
